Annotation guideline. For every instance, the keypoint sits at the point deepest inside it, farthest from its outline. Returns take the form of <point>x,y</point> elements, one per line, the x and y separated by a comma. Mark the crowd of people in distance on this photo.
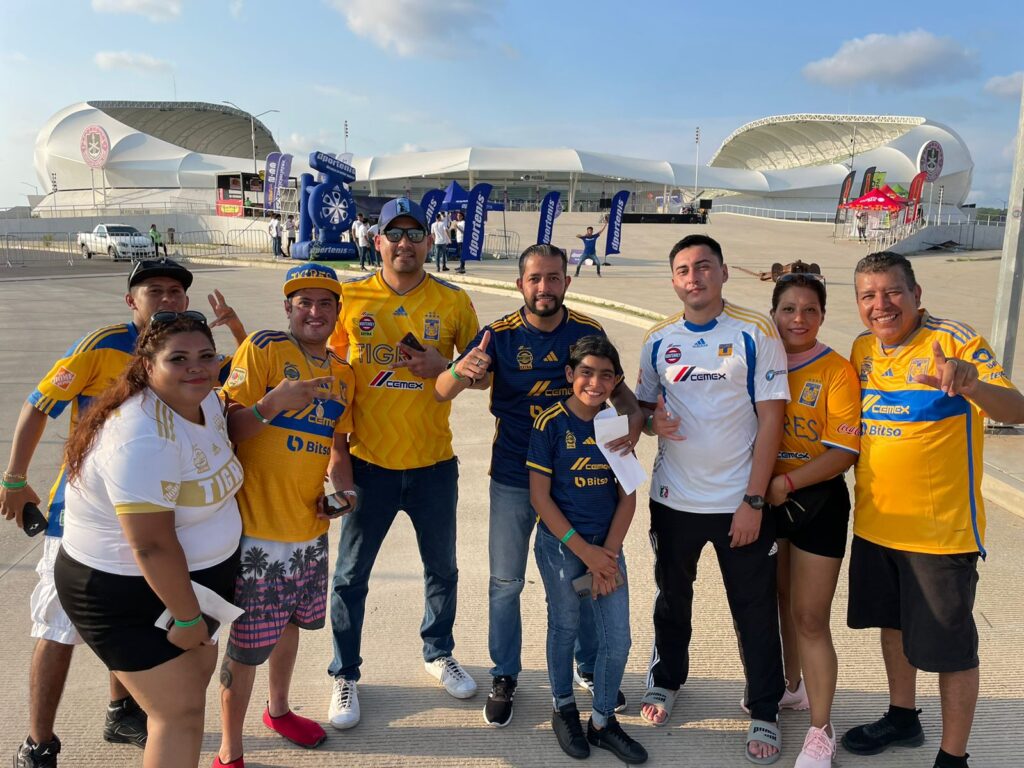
<point>195,482</point>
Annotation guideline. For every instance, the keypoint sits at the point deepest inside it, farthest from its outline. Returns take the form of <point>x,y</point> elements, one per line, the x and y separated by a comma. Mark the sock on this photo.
<point>902,717</point>
<point>946,760</point>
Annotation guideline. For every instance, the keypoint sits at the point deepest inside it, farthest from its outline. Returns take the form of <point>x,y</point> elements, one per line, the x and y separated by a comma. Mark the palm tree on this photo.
<point>296,562</point>
<point>254,561</point>
<point>273,576</point>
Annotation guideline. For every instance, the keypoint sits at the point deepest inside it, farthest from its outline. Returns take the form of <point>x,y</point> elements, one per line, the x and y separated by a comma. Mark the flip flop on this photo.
<point>660,698</point>
<point>766,733</point>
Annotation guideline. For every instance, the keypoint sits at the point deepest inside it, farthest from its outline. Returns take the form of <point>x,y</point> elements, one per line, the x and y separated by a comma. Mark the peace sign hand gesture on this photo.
<point>953,376</point>
<point>292,395</point>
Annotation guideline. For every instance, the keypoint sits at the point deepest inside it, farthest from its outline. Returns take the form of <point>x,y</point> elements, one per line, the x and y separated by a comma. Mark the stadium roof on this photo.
<point>795,141</point>
<point>210,129</point>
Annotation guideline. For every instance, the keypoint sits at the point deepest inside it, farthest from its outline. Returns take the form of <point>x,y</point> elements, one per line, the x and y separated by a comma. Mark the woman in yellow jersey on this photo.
<point>821,440</point>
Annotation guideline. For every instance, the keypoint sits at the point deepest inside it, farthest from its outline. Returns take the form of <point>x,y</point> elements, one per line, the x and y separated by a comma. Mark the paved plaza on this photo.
<point>407,718</point>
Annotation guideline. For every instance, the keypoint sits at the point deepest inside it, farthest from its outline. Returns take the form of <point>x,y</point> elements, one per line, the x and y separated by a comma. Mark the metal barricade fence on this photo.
<point>501,244</point>
<point>22,249</point>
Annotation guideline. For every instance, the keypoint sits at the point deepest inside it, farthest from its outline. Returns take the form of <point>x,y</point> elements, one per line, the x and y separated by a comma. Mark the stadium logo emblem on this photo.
<point>930,160</point>
<point>95,146</point>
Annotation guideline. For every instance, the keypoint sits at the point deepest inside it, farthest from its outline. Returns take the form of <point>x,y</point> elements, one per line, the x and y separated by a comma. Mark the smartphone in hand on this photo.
<point>584,585</point>
<point>412,342</point>
<point>33,521</point>
<point>337,504</point>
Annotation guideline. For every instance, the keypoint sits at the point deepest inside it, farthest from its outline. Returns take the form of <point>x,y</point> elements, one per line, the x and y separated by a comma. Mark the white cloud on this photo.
<point>414,28</point>
<point>1006,86</point>
<point>894,62</point>
<point>154,10</point>
<point>139,62</point>
<point>410,147</point>
<point>235,7</point>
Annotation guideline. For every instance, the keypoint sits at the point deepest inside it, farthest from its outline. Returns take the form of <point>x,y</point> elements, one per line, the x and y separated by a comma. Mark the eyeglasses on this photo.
<point>790,277</point>
<point>415,234</point>
<point>166,317</point>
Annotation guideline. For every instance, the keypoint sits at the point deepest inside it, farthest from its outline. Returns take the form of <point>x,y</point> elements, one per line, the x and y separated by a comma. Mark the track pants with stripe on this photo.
<point>750,582</point>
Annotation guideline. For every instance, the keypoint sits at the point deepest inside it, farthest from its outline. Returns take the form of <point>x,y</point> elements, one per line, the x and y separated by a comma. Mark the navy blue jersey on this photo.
<point>529,377</point>
<point>583,486</point>
<point>589,245</point>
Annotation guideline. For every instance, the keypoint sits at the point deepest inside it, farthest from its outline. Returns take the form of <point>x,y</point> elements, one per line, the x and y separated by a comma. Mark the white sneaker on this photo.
<point>452,676</point>
<point>344,710</point>
<point>819,748</point>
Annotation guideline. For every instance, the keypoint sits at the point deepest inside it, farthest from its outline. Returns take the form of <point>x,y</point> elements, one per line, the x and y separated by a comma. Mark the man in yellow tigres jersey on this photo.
<point>399,328</point>
<point>919,519</point>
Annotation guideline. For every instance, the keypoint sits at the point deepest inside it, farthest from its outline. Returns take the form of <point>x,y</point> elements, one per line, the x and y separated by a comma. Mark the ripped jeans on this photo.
<point>558,567</point>
<point>512,522</point>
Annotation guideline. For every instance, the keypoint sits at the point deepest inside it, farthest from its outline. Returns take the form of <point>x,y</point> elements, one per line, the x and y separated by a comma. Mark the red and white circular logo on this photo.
<point>930,160</point>
<point>672,355</point>
<point>366,323</point>
<point>95,146</point>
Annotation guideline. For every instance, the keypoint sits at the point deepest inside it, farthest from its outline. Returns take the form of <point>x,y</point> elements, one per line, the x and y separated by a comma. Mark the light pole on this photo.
<point>29,184</point>
<point>252,129</point>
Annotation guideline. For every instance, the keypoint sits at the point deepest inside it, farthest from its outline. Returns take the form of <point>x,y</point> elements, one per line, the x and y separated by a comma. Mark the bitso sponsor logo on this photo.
<point>387,380</point>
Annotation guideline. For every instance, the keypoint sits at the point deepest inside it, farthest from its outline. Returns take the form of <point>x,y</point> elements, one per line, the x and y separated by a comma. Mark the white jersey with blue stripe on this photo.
<point>711,376</point>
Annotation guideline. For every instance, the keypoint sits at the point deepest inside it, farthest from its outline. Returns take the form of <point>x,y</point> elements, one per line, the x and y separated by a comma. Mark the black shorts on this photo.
<point>116,615</point>
<point>826,532</point>
<point>930,598</point>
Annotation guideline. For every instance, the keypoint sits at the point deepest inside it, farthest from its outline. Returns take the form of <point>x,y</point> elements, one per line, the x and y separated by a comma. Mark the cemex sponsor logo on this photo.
<point>693,373</point>
<point>870,405</point>
<point>673,354</point>
<point>387,380</point>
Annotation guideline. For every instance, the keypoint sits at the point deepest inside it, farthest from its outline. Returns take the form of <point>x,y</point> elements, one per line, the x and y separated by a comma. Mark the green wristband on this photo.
<point>451,370</point>
<point>568,535</point>
<point>13,486</point>
<point>259,415</point>
<point>187,624</point>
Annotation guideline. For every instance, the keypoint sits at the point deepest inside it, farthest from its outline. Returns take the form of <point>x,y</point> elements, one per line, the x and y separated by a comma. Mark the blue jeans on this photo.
<point>275,243</point>
<point>508,546</point>
<point>429,495</point>
<point>440,256</point>
<point>364,256</point>
<point>558,567</point>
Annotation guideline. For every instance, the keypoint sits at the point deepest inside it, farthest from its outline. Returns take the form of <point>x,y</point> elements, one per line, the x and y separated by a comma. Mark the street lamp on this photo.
<point>252,129</point>
<point>29,184</point>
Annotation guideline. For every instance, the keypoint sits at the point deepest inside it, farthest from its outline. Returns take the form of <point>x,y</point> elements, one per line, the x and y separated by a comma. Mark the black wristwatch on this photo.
<point>755,502</point>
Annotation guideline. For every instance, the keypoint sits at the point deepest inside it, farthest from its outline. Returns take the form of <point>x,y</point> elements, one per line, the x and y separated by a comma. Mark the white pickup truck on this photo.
<point>118,241</point>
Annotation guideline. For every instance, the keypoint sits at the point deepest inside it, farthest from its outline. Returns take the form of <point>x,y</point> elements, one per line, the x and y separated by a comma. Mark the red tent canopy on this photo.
<point>874,201</point>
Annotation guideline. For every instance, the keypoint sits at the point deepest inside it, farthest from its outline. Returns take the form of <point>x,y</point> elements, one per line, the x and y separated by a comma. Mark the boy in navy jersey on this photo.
<point>584,517</point>
<point>523,356</point>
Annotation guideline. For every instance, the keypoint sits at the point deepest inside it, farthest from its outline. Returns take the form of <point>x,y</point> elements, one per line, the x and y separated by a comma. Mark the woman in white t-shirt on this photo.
<point>151,509</point>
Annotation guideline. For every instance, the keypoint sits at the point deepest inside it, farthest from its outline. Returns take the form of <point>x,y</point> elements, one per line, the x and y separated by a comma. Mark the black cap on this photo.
<point>143,270</point>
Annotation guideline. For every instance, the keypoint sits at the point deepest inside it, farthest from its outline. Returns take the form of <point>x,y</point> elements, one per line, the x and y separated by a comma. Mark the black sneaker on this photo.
<point>498,709</point>
<point>32,755</point>
<point>615,740</point>
<point>126,723</point>
<point>565,722</point>
<point>872,738</point>
<point>586,681</point>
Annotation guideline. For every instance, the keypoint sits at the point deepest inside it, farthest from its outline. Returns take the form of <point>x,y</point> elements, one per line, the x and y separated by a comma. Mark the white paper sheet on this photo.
<point>212,605</point>
<point>609,426</point>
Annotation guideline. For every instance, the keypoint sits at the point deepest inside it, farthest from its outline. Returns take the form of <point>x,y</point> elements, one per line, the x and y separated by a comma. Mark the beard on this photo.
<point>555,308</point>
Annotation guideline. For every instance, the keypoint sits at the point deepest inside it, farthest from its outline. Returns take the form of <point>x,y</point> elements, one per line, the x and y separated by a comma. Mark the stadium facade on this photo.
<point>171,153</point>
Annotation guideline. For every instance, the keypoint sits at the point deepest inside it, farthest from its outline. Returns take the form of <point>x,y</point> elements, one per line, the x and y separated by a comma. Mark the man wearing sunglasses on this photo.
<point>86,370</point>
<point>399,328</point>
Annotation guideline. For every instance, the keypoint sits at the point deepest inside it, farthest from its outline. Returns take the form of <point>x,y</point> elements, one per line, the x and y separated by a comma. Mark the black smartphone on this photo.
<point>33,521</point>
<point>584,585</point>
<point>412,342</point>
<point>337,504</point>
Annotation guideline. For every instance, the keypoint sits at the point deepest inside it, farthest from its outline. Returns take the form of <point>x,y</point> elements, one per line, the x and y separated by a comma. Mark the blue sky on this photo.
<point>633,78</point>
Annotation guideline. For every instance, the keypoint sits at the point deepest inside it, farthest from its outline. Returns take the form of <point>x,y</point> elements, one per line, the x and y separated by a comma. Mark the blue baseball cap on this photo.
<point>402,206</point>
<point>311,276</point>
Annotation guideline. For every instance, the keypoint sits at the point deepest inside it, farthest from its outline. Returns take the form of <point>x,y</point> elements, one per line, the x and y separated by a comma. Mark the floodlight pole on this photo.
<point>252,133</point>
<point>696,167</point>
<point>1011,268</point>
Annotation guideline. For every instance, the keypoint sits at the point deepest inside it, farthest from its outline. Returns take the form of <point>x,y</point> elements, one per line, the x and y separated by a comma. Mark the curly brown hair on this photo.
<point>135,378</point>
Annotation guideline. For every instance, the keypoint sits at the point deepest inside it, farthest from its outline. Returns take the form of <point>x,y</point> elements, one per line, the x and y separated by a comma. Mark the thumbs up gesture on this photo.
<point>475,363</point>
<point>664,423</point>
<point>952,376</point>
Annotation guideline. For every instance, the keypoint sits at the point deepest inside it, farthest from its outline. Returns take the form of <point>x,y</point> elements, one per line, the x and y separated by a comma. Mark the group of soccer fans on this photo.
<point>174,499</point>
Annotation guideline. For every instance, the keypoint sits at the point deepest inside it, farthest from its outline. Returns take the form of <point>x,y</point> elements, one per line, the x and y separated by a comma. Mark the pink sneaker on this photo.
<point>790,699</point>
<point>819,748</point>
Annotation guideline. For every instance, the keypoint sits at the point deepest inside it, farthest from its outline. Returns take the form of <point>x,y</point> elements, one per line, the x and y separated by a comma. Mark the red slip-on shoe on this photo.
<point>298,730</point>
<point>239,763</point>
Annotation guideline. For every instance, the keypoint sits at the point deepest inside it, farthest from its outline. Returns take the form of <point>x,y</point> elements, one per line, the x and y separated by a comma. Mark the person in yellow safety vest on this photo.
<point>158,241</point>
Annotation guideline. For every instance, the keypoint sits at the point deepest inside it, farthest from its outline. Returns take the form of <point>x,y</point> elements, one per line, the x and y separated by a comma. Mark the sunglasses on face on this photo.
<point>790,277</point>
<point>415,234</point>
<point>165,317</point>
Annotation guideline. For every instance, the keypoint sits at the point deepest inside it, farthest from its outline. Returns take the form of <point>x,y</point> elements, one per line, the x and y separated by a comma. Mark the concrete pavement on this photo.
<point>406,717</point>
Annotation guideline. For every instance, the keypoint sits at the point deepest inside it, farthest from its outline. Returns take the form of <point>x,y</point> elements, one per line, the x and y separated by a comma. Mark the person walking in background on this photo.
<point>274,228</point>
<point>460,236</point>
<point>589,239</point>
<point>151,512</point>
<point>158,241</point>
<point>862,226</point>
<point>919,518</point>
<point>811,504</point>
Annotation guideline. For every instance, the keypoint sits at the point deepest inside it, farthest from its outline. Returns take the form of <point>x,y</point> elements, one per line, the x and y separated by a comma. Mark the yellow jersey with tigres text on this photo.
<point>398,423</point>
<point>285,463</point>
<point>919,474</point>
<point>823,411</point>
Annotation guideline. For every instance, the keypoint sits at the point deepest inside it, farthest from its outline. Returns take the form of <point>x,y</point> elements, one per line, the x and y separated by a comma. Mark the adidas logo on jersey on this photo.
<point>700,344</point>
<point>888,374</point>
<point>551,357</point>
<point>400,312</point>
<point>590,441</point>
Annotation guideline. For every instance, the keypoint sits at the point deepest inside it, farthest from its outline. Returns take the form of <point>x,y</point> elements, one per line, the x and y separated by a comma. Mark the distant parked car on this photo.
<point>119,241</point>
